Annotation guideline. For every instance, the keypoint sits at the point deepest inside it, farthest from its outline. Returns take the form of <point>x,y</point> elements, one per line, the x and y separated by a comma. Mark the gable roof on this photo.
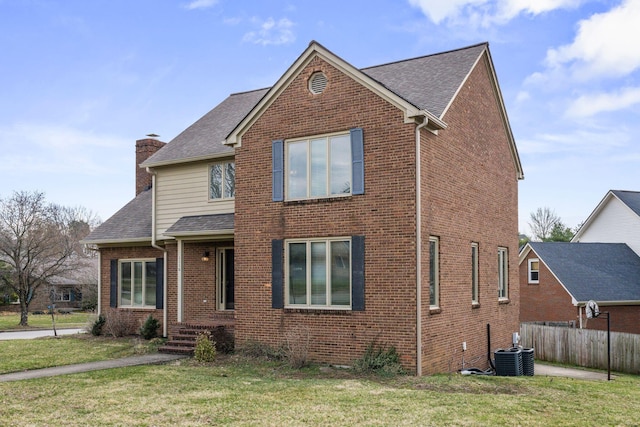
<point>132,223</point>
<point>429,82</point>
<point>630,198</point>
<point>603,272</point>
<point>203,139</point>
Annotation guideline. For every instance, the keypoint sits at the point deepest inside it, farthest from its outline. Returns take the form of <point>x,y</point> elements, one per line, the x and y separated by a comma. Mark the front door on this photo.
<point>225,279</point>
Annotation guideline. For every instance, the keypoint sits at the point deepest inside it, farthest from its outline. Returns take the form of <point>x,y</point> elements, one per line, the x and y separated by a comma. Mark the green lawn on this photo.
<point>11,321</point>
<point>240,391</point>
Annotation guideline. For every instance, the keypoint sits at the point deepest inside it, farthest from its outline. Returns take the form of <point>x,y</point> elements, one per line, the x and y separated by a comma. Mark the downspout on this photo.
<point>99,283</point>
<point>419,249</point>
<point>164,252</point>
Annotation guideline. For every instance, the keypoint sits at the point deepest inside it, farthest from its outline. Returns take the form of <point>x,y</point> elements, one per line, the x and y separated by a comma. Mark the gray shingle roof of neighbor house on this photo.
<point>593,271</point>
<point>200,224</point>
<point>629,198</point>
<point>428,82</point>
<point>131,223</point>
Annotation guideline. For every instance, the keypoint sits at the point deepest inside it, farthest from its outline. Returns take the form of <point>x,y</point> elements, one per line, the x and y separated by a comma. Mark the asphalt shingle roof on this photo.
<point>132,222</point>
<point>201,223</point>
<point>629,198</point>
<point>593,271</point>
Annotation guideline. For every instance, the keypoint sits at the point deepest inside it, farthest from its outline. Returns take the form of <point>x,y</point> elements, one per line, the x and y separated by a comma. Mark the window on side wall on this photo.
<point>222,181</point>
<point>137,283</point>
<point>503,273</point>
<point>434,272</point>
<point>474,273</point>
<point>318,273</point>
<point>534,270</point>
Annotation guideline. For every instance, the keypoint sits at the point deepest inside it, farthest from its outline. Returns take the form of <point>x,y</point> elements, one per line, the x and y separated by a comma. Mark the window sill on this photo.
<point>475,305</point>
<point>318,200</point>
<point>435,310</point>
<point>318,311</point>
<point>533,283</point>
<point>504,301</point>
<point>146,308</point>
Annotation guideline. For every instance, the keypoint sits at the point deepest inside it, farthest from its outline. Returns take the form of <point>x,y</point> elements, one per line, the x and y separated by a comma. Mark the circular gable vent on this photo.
<point>317,83</point>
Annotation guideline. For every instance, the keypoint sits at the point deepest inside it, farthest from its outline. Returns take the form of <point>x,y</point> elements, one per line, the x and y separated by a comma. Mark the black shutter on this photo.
<point>357,161</point>
<point>277,170</point>
<point>277,274</point>
<point>159,283</point>
<point>357,273</point>
<point>113,289</point>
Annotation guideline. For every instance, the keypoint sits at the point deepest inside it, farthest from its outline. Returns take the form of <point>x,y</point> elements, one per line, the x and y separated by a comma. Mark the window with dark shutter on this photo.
<point>159,283</point>
<point>357,273</point>
<point>113,288</point>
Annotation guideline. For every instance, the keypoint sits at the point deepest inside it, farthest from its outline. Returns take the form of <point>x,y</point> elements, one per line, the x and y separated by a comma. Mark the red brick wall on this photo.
<point>136,252</point>
<point>385,215</point>
<point>145,148</point>
<point>624,318</point>
<point>470,194</point>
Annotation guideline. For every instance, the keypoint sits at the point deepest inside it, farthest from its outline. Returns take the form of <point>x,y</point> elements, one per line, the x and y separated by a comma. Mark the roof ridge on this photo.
<point>249,91</point>
<point>425,56</point>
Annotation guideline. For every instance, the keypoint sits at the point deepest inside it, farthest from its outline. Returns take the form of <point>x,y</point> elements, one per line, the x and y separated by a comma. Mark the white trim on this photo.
<point>419,248</point>
<point>220,290</point>
<point>100,283</point>
<point>132,261</point>
<point>434,263</point>
<point>189,159</point>
<point>223,163</point>
<point>475,272</point>
<point>529,271</point>
<point>180,265</point>
<point>503,273</point>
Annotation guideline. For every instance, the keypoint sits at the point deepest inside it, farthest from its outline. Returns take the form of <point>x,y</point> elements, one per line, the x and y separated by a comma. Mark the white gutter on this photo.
<point>419,250</point>
<point>164,252</point>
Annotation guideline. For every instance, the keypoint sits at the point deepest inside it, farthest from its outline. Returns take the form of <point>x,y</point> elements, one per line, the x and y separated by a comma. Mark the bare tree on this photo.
<point>543,220</point>
<point>38,241</point>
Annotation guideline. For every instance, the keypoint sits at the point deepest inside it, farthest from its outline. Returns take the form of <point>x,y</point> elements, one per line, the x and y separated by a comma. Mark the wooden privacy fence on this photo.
<point>582,347</point>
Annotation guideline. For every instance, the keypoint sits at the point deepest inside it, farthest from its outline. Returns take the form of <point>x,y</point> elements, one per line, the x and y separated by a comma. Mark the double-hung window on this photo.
<point>222,180</point>
<point>319,167</point>
<point>318,273</point>
<point>137,283</point>
<point>503,273</point>
<point>434,272</point>
<point>534,270</point>
<point>474,273</point>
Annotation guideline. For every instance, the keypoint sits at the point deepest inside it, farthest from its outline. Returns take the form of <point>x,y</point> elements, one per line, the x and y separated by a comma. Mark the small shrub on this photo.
<point>205,349</point>
<point>149,328</point>
<point>120,323</point>
<point>96,327</point>
<point>297,346</point>
<point>379,359</point>
<point>259,350</point>
<point>38,312</point>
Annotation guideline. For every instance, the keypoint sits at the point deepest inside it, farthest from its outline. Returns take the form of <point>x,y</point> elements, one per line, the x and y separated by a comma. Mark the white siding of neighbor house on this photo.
<point>184,191</point>
<point>615,223</point>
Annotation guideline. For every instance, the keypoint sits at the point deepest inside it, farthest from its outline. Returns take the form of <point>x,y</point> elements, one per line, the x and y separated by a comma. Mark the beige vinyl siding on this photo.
<point>183,191</point>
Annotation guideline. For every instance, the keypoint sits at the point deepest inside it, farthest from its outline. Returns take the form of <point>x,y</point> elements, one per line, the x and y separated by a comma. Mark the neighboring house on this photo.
<point>601,263</point>
<point>347,206</point>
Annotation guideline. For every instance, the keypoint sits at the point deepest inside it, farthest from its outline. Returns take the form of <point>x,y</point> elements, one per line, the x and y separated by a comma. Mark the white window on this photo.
<point>434,272</point>
<point>503,273</point>
<point>534,270</point>
<point>318,273</point>
<point>137,283</point>
<point>474,273</point>
<point>318,167</point>
<point>222,181</point>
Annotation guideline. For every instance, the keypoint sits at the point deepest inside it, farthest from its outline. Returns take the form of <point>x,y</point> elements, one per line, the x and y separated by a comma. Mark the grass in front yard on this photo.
<point>241,391</point>
<point>11,321</point>
<point>20,355</point>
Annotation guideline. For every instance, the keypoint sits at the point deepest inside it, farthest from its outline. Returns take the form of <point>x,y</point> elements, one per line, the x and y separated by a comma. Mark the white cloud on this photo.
<point>603,46</point>
<point>582,142</point>
<point>590,105</point>
<point>271,32</point>
<point>201,4</point>
<point>487,12</point>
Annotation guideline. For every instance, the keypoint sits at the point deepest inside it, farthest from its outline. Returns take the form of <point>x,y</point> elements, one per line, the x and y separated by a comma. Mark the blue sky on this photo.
<point>81,80</point>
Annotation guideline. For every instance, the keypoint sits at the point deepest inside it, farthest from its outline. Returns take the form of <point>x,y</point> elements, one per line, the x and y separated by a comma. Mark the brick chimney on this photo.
<point>145,148</point>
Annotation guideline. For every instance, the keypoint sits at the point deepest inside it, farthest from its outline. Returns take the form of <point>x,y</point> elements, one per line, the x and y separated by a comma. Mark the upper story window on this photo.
<point>474,273</point>
<point>503,273</point>
<point>534,270</point>
<point>222,180</point>
<point>137,283</point>
<point>318,167</point>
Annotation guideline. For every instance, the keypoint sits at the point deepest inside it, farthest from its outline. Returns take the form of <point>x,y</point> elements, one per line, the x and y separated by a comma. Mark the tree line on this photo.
<point>547,226</point>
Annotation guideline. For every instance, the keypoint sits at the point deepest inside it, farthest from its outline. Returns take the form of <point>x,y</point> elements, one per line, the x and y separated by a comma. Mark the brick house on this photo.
<point>343,205</point>
<point>602,263</point>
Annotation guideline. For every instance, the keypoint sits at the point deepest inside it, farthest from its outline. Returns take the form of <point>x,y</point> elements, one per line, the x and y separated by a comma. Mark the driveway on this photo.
<point>26,335</point>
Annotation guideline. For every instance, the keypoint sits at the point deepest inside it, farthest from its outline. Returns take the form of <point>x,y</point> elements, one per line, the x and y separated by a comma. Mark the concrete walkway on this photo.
<point>146,359</point>
<point>38,333</point>
<point>559,371</point>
